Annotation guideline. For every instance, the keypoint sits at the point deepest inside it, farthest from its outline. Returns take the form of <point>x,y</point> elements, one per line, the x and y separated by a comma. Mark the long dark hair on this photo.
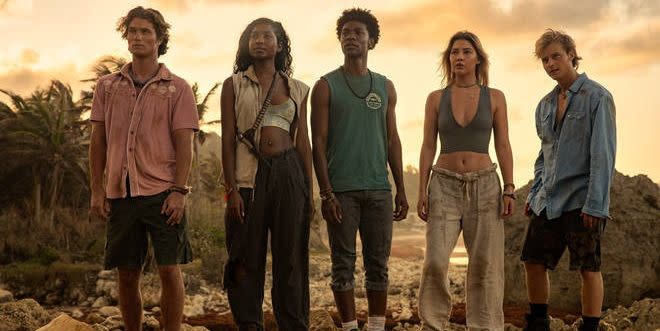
<point>283,58</point>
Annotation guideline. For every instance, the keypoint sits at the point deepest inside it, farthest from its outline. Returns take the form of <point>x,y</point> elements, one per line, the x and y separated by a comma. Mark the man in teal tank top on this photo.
<point>354,138</point>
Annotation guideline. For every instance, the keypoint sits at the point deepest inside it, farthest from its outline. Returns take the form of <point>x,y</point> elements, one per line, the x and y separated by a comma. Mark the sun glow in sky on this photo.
<point>618,39</point>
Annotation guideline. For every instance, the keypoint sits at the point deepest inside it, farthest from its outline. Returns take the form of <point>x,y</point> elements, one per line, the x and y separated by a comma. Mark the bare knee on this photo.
<point>169,272</point>
<point>535,268</point>
<point>590,276</point>
<point>128,277</point>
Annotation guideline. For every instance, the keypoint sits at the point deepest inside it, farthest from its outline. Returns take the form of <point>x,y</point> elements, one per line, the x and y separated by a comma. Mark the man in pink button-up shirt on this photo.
<point>143,119</point>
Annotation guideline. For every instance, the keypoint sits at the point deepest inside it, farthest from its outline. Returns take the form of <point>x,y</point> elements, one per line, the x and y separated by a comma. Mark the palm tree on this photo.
<point>45,133</point>
<point>198,141</point>
<point>104,66</point>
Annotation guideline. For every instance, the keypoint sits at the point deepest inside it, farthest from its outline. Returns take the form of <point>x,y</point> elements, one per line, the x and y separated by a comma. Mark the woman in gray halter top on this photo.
<point>461,192</point>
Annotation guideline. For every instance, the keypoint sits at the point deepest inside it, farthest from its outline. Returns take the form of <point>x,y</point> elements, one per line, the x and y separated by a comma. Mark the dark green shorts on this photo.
<point>547,240</point>
<point>131,220</point>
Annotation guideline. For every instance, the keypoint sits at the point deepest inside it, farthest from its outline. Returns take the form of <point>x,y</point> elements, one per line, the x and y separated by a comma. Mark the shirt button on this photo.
<point>132,132</point>
<point>130,149</point>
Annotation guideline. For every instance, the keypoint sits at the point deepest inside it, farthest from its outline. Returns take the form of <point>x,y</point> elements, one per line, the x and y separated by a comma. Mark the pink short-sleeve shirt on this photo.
<point>139,129</point>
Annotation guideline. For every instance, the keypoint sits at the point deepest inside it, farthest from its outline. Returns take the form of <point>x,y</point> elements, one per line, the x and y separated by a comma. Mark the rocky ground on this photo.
<point>630,247</point>
<point>206,306</point>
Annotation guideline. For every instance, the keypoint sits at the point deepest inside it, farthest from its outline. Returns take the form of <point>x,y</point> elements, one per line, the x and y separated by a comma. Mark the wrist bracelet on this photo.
<point>513,186</point>
<point>325,191</point>
<point>180,189</point>
<point>510,195</point>
<point>327,196</point>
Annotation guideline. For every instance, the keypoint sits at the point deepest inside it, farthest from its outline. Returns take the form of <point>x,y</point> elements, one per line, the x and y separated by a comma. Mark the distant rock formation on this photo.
<point>630,250</point>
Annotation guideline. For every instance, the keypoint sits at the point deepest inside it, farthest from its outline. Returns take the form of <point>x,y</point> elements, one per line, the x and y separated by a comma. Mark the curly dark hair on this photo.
<point>363,16</point>
<point>283,58</point>
<point>155,17</point>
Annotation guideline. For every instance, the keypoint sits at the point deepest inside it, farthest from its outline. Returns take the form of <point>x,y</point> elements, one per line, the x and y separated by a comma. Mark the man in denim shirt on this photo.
<point>569,199</point>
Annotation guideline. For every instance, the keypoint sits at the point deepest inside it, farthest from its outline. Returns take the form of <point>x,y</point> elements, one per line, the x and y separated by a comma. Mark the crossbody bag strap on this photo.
<point>247,137</point>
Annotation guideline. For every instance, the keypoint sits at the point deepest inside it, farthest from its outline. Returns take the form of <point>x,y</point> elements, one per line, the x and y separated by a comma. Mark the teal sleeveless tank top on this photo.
<point>357,132</point>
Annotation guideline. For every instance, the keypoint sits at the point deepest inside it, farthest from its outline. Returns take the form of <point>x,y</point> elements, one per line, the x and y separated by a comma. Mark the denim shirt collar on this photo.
<point>575,87</point>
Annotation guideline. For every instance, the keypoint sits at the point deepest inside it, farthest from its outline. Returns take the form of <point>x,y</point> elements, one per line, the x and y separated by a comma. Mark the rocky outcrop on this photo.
<point>57,284</point>
<point>66,323</point>
<point>641,315</point>
<point>630,254</point>
<point>22,315</point>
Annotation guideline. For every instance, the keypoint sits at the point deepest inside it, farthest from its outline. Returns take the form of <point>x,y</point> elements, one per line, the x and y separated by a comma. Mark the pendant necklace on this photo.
<point>371,84</point>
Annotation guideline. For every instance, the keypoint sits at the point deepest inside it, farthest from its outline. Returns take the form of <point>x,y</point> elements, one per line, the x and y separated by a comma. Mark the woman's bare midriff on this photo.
<point>274,140</point>
<point>462,162</point>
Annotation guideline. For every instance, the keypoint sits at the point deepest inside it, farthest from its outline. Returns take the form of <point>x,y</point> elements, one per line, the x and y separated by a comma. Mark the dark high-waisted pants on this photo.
<point>279,203</point>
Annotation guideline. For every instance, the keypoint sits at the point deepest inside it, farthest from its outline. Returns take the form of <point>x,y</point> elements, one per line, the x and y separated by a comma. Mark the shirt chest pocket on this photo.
<point>575,126</point>
<point>545,130</point>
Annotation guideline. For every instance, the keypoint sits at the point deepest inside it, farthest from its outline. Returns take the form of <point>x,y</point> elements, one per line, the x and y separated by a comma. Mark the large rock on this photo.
<point>630,250</point>
<point>186,327</point>
<point>193,306</point>
<point>5,296</point>
<point>22,315</point>
<point>320,320</point>
<point>641,315</point>
<point>65,323</point>
<point>108,311</point>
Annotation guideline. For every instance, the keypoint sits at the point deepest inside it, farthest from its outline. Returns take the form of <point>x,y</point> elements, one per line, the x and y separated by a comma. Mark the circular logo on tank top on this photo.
<point>373,101</point>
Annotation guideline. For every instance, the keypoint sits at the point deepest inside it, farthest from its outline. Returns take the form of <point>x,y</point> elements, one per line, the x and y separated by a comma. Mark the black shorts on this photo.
<point>131,220</point>
<point>546,241</point>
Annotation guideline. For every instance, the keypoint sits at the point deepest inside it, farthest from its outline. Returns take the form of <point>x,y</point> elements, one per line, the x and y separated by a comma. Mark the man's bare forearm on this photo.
<point>396,164</point>
<point>183,148</point>
<point>97,157</point>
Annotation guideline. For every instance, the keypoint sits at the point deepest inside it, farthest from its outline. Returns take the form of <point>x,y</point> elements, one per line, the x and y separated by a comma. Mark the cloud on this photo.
<point>183,5</point>
<point>24,80</point>
<point>29,56</point>
<point>646,8</point>
<point>15,6</point>
<point>429,25</point>
<point>631,51</point>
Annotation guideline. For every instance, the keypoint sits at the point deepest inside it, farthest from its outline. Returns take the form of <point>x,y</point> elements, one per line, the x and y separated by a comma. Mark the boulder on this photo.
<point>77,314</point>
<point>194,306</point>
<point>320,320</point>
<point>6,296</point>
<point>101,302</point>
<point>108,311</point>
<point>641,315</point>
<point>22,315</point>
<point>151,323</point>
<point>113,322</point>
<point>95,318</point>
<point>630,250</point>
<point>65,323</point>
<point>186,327</point>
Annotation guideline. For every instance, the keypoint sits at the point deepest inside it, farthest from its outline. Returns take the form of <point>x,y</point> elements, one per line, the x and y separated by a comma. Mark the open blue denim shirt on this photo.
<point>575,166</point>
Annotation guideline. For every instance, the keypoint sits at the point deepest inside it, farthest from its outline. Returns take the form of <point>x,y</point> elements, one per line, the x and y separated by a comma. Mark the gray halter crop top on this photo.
<point>474,137</point>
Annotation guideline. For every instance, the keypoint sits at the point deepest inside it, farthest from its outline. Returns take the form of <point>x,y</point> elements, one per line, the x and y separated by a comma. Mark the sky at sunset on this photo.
<point>618,39</point>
